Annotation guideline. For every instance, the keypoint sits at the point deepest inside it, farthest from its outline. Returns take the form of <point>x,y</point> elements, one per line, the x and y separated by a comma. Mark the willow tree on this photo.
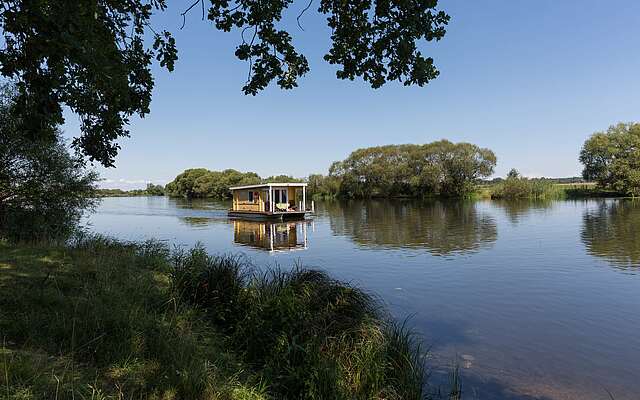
<point>95,56</point>
<point>438,168</point>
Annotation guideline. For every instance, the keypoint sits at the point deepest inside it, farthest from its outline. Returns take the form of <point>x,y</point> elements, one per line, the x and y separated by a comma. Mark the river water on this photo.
<point>532,300</point>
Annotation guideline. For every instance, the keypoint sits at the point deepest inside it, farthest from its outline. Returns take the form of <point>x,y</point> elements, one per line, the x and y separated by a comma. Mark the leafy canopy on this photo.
<point>200,182</point>
<point>95,57</point>
<point>612,158</point>
<point>437,168</point>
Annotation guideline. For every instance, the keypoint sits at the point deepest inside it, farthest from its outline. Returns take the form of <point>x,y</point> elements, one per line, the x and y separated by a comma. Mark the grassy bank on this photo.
<point>537,189</point>
<point>100,319</point>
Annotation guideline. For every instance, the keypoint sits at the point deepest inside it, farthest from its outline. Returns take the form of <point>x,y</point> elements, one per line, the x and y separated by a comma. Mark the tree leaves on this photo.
<point>612,158</point>
<point>90,56</point>
<point>375,40</point>
<point>93,56</point>
<point>437,168</point>
<point>378,40</point>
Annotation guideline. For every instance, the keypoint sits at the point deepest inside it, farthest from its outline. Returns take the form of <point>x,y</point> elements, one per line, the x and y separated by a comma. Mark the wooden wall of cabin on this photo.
<point>241,201</point>
<point>292,196</point>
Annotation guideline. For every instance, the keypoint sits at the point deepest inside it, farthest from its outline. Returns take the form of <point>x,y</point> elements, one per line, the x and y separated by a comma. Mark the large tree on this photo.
<point>43,188</point>
<point>94,56</point>
<point>612,158</point>
<point>437,168</point>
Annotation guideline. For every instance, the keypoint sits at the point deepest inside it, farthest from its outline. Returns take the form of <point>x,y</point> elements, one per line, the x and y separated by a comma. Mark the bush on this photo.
<point>213,283</point>
<point>519,187</point>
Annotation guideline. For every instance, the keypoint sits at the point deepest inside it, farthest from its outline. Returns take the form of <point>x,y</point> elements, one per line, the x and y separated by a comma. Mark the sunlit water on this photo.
<point>531,300</point>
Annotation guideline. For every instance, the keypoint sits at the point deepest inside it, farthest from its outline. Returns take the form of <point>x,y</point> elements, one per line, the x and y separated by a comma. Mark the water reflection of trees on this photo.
<point>518,209</point>
<point>199,204</point>
<point>612,231</point>
<point>440,227</point>
<point>199,212</point>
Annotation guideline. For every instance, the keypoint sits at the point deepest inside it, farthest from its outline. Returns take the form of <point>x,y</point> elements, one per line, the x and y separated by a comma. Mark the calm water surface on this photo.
<point>532,300</point>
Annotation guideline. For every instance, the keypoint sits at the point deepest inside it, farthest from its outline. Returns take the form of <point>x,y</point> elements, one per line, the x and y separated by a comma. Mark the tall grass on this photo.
<point>307,335</point>
<point>525,188</point>
<point>96,320</point>
<point>102,319</point>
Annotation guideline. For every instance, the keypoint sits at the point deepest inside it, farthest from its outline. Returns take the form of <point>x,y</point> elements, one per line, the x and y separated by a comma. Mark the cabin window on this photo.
<point>277,196</point>
<point>251,197</point>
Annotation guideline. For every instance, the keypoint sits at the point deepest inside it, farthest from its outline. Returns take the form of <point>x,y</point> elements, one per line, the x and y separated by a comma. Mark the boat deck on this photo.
<point>266,215</point>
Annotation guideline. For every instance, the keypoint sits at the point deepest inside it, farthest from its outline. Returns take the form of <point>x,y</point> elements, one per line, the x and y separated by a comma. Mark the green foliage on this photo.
<point>516,186</point>
<point>322,186</point>
<point>201,182</point>
<point>307,335</point>
<point>95,57</point>
<point>374,40</point>
<point>439,168</point>
<point>213,283</point>
<point>105,319</point>
<point>90,57</point>
<point>97,320</point>
<point>43,189</point>
<point>150,190</point>
<point>282,178</point>
<point>154,190</point>
<point>612,158</point>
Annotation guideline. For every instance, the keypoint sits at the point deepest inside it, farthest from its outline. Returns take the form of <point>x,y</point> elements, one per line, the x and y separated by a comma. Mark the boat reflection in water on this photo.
<point>277,236</point>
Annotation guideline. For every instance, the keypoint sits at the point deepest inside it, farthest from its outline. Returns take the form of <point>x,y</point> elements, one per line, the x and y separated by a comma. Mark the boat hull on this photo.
<point>267,216</point>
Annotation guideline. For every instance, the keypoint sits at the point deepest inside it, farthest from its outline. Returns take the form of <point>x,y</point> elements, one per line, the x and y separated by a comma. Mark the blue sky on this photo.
<point>529,80</point>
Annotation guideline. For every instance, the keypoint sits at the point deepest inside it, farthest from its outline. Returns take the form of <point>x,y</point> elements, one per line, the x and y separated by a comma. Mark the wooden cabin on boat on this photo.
<point>277,201</point>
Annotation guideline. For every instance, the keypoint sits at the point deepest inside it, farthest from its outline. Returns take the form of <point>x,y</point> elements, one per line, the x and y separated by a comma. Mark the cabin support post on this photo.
<point>304,199</point>
<point>271,207</point>
<point>304,232</point>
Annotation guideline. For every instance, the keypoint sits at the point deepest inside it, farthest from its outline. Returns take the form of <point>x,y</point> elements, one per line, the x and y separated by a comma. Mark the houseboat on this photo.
<point>270,201</point>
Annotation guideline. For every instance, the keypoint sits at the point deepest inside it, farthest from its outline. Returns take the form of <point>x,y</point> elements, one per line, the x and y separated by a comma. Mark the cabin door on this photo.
<point>280,196</point>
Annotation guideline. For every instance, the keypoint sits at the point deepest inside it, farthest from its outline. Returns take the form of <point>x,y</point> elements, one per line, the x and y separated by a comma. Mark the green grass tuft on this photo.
<point>307,335</point>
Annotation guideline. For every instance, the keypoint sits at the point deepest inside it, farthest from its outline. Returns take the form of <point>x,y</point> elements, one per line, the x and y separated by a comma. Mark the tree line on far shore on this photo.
<point>438,168</point>
<point>203,183</point>
<point>611,159</point>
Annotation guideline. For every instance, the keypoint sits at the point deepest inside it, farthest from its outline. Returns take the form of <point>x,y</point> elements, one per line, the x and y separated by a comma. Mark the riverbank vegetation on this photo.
<point>440,168</point>
<point>437,169</point>
<point>103,319</point>
<point>516,186</point>
<point>203,183</point>
<point>150,190</point>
